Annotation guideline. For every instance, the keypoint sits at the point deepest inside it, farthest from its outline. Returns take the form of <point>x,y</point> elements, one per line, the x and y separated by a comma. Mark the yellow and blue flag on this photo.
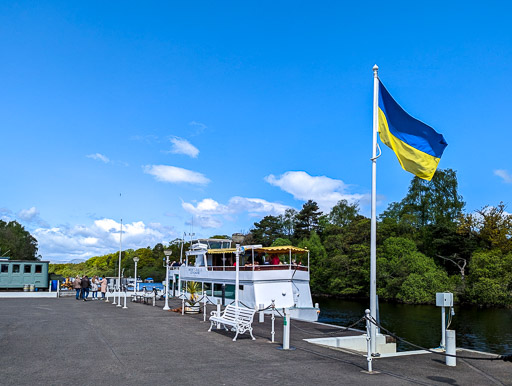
<point>417,146</point>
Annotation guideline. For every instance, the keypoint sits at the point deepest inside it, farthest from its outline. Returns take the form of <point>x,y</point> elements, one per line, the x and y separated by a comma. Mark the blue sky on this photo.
<point>216,114</point>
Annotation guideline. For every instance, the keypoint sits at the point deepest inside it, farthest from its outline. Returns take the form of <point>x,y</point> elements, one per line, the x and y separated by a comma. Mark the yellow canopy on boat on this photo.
<point>281,250</point>
<point>221,250</point>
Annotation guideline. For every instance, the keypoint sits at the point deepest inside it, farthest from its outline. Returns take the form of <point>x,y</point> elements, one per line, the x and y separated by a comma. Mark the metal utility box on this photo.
<point>444,299</point>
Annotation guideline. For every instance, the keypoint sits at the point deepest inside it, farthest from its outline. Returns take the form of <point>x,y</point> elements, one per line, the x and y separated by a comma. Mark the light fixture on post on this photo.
<point>136,260</point>
<point>167,253</point>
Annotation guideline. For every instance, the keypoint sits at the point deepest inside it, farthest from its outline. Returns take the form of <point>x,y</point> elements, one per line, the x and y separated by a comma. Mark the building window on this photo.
<point>27,268</point>
<point>5,268</point>
<point>39,268</point>
<point>15,268</point>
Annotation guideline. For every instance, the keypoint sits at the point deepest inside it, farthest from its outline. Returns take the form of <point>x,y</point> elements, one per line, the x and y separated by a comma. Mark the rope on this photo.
<point>505,358</point>
<point>333,332</point>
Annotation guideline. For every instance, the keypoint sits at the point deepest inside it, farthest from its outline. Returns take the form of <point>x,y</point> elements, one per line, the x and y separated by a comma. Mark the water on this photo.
<point>149,286</point>
<point>488,330</point>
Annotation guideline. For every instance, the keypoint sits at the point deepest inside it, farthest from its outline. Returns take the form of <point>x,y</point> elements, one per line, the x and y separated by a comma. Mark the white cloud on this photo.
<point>174,174</point>
<point>325,191</point>
<point>505,175</point>
<point>256,206</point>
<point>182,146</point>
<point>66,243</point>
<point>200,127</point>
<point>31,215</point>
<point>235,205</point>
<point>28,214</point>
<point>99,157</point>
<point>205,222</point>
<point>205,210</point>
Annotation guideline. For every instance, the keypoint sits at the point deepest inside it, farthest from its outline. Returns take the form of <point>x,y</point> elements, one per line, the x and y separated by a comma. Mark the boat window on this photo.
<point>39,268</point>
<point>241,287</point>
<point>27,268</point>
<point>230,291</point>
<point>208,289</point>
<point>15,268</point>
<point>217,290</point>
<point>5,268</point>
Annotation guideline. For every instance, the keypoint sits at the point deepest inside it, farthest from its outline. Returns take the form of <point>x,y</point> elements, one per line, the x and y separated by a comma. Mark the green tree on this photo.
<point>318,261</point>
<point>491,227</point>
<point>407,275</point>
<point>343,213</point>
<point>428,214</point>
<point>280,242</point>
<point>16,242</point>
<point>306,221</point>
<point>490,278</point>
<point>267,230</point>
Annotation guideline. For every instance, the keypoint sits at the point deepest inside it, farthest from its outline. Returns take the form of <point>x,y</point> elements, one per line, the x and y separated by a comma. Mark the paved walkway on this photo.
<point>64,341</point>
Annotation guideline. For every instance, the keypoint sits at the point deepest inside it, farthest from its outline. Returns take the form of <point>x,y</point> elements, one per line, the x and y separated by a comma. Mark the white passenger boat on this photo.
<point>266,274</point>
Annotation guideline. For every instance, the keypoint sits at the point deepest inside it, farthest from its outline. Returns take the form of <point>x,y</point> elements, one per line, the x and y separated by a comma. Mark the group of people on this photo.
<point>82,286</point>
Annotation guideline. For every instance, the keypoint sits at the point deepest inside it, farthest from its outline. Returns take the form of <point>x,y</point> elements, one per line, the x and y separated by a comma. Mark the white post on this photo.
<point>262,313</point>
<point>368,341</point>
<point>167,253</point>
<point>218,312</point>
<point>237,277</point>
<point>286,329</point>
<point>58,288</point>
<point>451,348</point>
<point>443,328</point>
<point>125,301</point>
<point>120,249</point>
<point>119,302</point>
<point>204,303</point>
<point>373,237</point>
<point>273,333</point>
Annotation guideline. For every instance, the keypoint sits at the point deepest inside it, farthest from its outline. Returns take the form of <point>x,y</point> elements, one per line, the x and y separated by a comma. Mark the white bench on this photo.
<point>237,317</point>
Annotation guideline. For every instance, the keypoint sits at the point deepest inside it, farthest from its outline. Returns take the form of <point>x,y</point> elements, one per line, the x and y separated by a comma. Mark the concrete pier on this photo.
<point>65,341</point>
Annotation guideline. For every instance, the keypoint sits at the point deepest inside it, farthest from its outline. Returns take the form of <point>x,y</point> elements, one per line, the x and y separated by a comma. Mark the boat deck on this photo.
<point>58,341</point>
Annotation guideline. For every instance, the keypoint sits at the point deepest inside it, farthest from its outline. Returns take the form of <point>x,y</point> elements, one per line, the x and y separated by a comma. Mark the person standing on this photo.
<point>103,283</point>
<point>85,287</point>
<point>77,286</point>
<point>94,288</point>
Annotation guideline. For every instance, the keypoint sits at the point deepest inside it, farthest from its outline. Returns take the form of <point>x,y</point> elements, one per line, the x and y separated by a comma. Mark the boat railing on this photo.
<point>266,267</point>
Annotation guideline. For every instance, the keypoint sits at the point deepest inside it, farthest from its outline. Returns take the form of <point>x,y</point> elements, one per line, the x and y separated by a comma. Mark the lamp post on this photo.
<point>167,253</point>
<point>135,260</point>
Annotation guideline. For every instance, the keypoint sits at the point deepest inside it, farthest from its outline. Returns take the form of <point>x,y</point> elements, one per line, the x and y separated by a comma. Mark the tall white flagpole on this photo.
<point>373,238</point>
<point>120,249</point>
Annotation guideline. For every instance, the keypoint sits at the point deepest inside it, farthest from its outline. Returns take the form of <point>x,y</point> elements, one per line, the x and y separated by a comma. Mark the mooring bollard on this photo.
<point>368,340</point>
<point>451,348</point>
<point>286,329</point>
<point>262,313</point>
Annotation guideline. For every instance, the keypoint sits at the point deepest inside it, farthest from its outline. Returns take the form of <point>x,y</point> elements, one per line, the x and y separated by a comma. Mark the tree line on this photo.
<point>426,243</point>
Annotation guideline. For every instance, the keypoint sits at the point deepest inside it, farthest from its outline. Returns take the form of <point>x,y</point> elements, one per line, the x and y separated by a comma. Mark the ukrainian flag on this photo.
<point>417,146</point>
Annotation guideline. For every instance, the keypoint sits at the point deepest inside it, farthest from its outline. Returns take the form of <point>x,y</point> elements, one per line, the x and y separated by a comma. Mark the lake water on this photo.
<point>487,329</point>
